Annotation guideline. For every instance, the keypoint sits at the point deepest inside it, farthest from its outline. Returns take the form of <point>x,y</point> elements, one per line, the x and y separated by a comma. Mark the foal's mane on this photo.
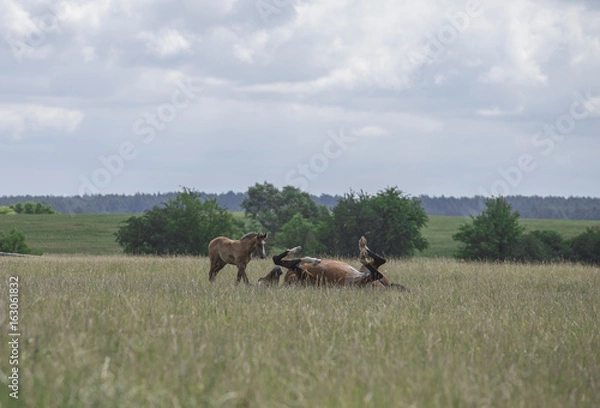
<point>250,235</point>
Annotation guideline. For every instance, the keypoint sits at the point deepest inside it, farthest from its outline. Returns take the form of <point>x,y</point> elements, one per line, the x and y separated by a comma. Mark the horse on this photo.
<point>329,272</point>
<point>272,278</point>
<point>223,251</point>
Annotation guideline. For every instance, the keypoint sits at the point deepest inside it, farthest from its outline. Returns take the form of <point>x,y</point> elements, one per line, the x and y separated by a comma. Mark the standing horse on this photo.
<point>316,272</point>
<point>223,251</point>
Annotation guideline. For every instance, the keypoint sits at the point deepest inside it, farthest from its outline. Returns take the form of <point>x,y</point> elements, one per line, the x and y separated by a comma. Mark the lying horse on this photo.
<point>272,278</point>
<point>316,272</point>
<point>223,251</point>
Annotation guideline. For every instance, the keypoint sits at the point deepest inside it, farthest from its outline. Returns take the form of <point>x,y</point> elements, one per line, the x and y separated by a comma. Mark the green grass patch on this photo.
<point>118,331</point>
<point>68,234</point>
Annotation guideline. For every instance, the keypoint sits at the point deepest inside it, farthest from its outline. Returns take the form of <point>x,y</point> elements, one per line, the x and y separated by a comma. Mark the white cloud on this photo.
<point>15,21</point>
<point>497,112</point>
<point>17,119</point>
<point>167,43</point>
<point>371,131</point>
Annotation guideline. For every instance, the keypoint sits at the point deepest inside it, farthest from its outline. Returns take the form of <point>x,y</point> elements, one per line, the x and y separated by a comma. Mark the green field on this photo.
<point>94,234</point>
<point>91,234</point>
<point>117,331</point>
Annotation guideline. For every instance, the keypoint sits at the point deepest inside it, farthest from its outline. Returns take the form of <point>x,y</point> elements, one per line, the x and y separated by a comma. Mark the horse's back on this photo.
<point>216,243</point>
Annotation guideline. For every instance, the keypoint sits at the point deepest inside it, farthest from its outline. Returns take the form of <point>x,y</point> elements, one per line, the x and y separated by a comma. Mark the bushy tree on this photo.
<point>300,231</point>
<point>492,235</point>
<point>540,246</point>
<point>390,220</point>
<point>585,247</point>
<point>273,208</point>
<point>18,207</point>
<point>29,208</point>
<point>14,242</point>
<point>184,225</point>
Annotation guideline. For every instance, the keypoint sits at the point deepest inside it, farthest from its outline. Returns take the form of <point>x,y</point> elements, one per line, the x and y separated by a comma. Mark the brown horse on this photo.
<point>334,272</point>
<point>272,278</point>
<point>223,251</point>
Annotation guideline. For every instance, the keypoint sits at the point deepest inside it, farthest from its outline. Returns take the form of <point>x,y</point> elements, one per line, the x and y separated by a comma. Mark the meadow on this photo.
<point>93,234</point>
<point>117,331</point>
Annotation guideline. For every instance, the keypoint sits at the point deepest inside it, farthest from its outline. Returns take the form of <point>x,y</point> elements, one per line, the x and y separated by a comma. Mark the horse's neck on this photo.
<point>249,245</point>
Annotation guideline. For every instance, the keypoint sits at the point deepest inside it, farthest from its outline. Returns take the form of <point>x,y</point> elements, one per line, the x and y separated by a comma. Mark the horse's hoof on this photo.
<point>294,251</point>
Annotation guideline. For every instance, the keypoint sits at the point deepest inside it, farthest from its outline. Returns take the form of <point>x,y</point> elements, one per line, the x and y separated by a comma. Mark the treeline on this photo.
<point>572,208</point>
<point>136,203</point>
<point>567,208</point>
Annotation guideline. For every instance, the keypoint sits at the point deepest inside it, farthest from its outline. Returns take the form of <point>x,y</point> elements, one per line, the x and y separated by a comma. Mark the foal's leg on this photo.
<point>241,264</point>
<point>242,273</point>
<point>216,264</point>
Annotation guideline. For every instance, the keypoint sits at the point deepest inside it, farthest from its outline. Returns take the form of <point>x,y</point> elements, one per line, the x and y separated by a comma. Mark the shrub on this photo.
<point>540,246</point>
<point>14,242</point>
<point>300,231</point>
<point>32,208</point>
<point>184,225</point>
<point>6,211</point>
<point>390,220</point>
<point>492,235</point>
<point>586,247</point>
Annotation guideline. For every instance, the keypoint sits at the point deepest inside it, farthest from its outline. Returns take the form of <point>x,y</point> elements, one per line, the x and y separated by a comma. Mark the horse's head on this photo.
<point>260,244</point>
<point>272,278</point>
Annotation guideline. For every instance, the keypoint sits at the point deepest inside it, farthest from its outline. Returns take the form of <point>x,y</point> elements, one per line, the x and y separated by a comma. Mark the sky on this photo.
<point>436,97</point>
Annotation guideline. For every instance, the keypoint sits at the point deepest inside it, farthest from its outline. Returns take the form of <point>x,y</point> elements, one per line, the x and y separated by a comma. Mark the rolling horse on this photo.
<point>223,251</point>
<point>316,272</point>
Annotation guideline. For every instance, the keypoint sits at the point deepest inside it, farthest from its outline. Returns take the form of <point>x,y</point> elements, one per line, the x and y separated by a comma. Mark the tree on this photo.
<point>14,242</point>
<point>492,235</point>
<point>586,247</point>
<point>273,208</point>
<point>390,220</point>
<point>29,208</point>
<point>540,246</point>
<point>299,231</point>
<point>184,225</point>
<point>18,207</point>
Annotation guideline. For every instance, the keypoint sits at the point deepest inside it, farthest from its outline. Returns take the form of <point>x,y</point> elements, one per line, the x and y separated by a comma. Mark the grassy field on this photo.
<point>94,234</point>
<point>117,331</point>
<point>91,234</point>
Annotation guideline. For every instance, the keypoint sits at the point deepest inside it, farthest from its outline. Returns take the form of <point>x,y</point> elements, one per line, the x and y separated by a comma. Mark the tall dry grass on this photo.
<point>126,332</point>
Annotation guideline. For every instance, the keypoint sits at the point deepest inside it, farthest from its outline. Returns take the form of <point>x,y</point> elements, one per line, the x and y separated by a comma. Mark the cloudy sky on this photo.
<point>453,97</point>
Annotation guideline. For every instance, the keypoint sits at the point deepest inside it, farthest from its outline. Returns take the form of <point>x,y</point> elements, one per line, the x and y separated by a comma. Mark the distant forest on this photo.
<point>572,208</point>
